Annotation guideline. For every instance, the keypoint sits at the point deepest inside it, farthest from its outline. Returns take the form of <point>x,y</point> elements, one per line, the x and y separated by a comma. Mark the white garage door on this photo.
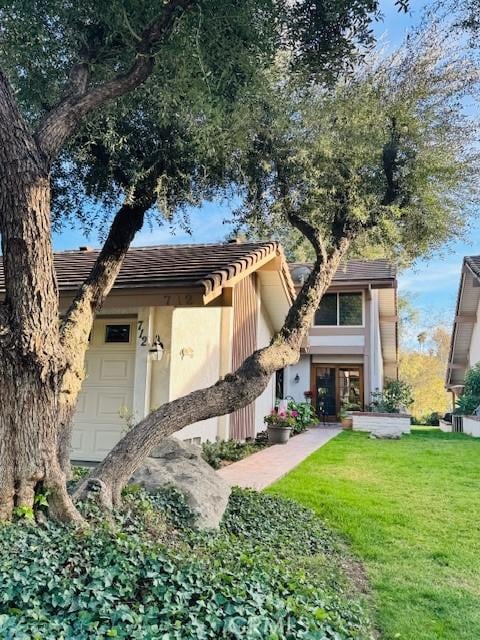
<point>106,399</point>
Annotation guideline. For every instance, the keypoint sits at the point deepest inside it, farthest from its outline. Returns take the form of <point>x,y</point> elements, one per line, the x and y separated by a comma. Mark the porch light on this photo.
<point>296,379</point>
<point>157,350</point>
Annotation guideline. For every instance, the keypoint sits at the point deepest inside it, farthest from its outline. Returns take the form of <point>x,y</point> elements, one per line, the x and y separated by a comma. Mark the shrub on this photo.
<point>231,450</point>
<point>470,398</point>
<point>270,573</point>
<point>305,415</point>
<point>430,419</point>
<point>396,395</point>
<point>281,418</point>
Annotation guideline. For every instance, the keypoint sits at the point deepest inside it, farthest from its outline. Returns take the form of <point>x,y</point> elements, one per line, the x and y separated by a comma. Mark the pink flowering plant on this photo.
<point>281,418</point>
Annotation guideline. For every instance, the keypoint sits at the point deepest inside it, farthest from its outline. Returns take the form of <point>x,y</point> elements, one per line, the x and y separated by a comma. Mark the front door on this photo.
<point>106,399</point>
<point>335,386</point>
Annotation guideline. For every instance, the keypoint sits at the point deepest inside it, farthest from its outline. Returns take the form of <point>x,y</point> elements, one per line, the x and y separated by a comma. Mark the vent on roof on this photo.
<point>85,248</point>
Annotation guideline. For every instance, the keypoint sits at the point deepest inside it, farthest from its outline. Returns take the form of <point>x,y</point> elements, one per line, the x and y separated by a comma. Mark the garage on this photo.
<point>106,400</point>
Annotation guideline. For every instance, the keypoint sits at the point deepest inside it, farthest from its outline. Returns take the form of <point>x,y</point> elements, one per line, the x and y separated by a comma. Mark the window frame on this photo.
<point>344,326</point>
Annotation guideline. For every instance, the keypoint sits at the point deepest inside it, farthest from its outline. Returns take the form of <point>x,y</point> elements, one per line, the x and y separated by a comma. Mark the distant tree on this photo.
<point>441,337</point>
<point>421,339</point>
<point>425,372</point>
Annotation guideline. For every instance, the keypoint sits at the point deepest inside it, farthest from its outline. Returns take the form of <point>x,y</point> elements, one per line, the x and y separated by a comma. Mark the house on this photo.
<point>353,344</point>
<point>465,340</point>
<point>177,319</point>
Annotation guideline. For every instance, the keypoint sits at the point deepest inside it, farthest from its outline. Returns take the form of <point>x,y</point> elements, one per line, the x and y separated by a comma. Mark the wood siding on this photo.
<point>245,322</point>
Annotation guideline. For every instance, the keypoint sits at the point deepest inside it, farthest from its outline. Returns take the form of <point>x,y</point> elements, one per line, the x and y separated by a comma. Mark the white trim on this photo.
<point>337,341</point>
<point>143,366</point>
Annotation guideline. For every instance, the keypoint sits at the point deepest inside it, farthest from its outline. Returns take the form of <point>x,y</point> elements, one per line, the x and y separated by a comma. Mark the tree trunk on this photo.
<point>28,445</point>
<point>31,361</point>
<point>77,324</point>
<point>235,391</point>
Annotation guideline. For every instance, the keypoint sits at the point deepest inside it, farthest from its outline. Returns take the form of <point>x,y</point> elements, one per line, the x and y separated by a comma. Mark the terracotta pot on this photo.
<point>278,435</point>
<point>347,423</point>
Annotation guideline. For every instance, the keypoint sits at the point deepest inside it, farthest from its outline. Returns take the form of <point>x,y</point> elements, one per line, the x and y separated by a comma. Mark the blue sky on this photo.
<point>431,283</point>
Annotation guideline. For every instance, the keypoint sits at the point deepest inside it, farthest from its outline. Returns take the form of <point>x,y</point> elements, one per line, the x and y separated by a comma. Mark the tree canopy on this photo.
<point>392,143</point>
<point>179,128</point>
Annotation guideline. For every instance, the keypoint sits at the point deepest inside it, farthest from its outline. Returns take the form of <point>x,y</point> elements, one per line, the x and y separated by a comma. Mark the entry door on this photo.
<point>325,392</point>
<point>106,399</point>
<point>335,386</point>
<point>350,388</point>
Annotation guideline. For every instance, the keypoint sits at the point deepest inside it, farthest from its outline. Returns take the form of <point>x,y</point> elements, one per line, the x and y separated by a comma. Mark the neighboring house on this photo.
<point>177,319</point>
<point>465,340</point>
<point>353,345</point>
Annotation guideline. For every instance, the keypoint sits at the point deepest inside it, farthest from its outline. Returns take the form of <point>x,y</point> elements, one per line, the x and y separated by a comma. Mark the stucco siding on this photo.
<point>296,389</point>
<point>374,422</point>
<point>195,361</point>
<point>471,426</point>
<point>160,370</point>
<point>376,357</point>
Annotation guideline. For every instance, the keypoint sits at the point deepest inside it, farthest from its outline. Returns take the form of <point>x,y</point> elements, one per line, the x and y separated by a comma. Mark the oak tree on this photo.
<point>383,158</point>
<point>66,67</point>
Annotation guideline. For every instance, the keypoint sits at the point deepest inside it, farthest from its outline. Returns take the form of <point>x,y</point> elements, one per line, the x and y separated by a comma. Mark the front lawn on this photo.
<point>411,511</point>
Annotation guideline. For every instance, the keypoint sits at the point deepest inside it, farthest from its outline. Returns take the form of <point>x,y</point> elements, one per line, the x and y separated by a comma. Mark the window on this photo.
<point>350,309</point>
<point>340,309</point>
<point>327,311</point>
<point>117,333</point>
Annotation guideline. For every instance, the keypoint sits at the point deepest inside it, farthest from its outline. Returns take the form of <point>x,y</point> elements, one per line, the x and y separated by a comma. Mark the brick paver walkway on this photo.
<point>264,467</point>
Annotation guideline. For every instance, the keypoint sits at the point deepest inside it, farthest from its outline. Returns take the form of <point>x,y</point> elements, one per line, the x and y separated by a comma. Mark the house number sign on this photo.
<point>142,338</point>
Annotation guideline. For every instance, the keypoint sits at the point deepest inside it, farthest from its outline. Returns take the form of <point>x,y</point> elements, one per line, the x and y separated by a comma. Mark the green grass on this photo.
<point>411,511</point>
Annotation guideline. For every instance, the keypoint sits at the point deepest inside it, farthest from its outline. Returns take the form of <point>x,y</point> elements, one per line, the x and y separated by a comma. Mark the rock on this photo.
<point>181,464</point>
<point>387,433</point>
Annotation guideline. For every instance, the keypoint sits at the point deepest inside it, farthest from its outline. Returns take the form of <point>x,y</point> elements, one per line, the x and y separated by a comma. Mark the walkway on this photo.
<point>264,467</point>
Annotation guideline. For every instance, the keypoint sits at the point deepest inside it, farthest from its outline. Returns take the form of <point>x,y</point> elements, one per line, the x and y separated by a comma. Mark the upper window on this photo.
<point>340,309</point>
<point>117,333</point>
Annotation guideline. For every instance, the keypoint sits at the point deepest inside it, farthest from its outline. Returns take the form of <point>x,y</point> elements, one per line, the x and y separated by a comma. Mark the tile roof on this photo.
<point>474,263</point>
<point>353,271</point>
<point>202,265</point>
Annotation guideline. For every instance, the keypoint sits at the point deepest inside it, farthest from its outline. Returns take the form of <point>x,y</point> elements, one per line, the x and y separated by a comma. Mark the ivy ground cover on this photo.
<point>273,572</point>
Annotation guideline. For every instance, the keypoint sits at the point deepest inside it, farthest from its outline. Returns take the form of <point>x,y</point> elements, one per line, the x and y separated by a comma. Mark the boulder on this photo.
<point>181,464</point>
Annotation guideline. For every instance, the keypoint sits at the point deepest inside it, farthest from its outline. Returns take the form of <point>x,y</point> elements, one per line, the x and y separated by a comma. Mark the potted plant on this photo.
<point>279,423</point>
<point>304,415</point>
<point>346,419</point>
<point>308,395</point>
<point>345,414</point>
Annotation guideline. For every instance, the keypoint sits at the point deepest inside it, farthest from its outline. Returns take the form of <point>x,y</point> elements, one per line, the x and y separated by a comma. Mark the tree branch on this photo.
<point>79,100</point>
<point>78,321</point>
<point>92,293</point>
<point>390,165</point>
<point>312,234</point>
